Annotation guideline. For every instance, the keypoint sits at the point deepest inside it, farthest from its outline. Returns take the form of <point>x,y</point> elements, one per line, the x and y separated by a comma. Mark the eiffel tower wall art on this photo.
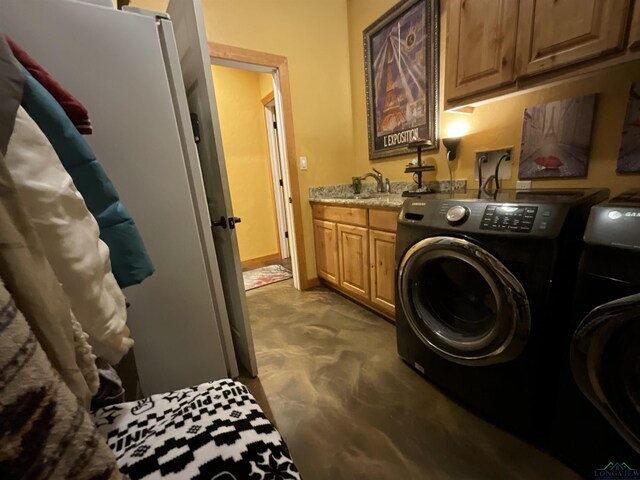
<point>556,138</point>
<point>401,76</point>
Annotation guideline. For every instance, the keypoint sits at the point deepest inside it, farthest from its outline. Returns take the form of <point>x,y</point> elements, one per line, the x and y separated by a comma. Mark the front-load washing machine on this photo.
<point>483,287</point>
<point>597,415</point>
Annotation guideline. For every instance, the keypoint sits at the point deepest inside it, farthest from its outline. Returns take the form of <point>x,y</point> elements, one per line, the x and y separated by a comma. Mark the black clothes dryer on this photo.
<point>596,417</point>
<point>483,285</point>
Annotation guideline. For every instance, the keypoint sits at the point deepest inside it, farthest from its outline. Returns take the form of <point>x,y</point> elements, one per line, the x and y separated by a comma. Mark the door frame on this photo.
<point>231,56</point>
<point>277,170</point>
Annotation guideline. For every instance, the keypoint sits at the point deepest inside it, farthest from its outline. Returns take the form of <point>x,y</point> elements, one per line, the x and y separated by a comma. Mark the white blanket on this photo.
<point>213,431</point>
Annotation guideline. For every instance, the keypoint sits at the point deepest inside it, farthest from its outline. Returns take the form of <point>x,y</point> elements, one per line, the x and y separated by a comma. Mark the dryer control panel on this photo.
<point>513,218</point>
<point>616,223</point>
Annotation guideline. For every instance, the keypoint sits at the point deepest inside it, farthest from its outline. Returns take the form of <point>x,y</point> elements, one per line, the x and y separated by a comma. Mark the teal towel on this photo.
<point>130,261</point>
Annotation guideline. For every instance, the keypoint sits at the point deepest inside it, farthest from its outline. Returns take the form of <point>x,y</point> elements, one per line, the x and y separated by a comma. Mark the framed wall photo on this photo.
<point>401,78</point>
<point>556,138</point>
<point>629,156</point>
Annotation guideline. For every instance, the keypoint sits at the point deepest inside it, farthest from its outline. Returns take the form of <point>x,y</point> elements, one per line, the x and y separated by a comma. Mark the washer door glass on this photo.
<point>462,302</point>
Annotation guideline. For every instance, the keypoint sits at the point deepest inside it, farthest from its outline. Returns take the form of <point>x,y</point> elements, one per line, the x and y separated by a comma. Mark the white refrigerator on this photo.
<point>141,75</point>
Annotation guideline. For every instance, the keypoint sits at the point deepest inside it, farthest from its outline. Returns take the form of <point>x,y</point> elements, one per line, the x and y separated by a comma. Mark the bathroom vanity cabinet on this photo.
<point>355,253</point>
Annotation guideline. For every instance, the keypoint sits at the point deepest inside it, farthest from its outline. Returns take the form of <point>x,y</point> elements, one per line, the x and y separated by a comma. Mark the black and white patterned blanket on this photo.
<point>213,431</point>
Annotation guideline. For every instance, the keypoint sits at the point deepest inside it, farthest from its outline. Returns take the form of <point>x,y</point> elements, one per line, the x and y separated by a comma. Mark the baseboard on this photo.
<point>260,261</point>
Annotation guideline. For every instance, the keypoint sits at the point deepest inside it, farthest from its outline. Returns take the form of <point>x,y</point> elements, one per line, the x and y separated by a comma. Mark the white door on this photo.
<point>188,25</point>
<point>278,180</point>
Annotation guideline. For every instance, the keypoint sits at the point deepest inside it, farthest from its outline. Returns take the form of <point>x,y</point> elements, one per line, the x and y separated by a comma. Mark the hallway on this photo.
<point>349,408</point>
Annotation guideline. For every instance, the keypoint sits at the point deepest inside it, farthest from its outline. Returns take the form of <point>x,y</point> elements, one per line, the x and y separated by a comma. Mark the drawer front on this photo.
<point>386,220</point>
<point>348,215</point>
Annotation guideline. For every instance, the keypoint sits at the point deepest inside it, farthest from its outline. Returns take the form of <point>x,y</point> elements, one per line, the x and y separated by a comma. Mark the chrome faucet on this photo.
<point>381,185</point>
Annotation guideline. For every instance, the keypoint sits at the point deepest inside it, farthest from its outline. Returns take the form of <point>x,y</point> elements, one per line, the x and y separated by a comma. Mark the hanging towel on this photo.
<point>46,433</point>
<point>129,259</point>
<point>75,110</point>
<point>27,272</point>
<point>70,238</point>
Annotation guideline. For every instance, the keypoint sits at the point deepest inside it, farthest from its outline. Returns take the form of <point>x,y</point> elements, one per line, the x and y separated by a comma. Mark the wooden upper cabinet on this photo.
<point>634,32</point>
<point>382,248</point>
<point>326,237</point>
<point>481,42</point>
<point>353,248</point>
<point>556,33</point>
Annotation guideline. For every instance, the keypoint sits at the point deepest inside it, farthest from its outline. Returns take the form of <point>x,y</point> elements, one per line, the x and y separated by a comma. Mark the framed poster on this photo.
<point>556,138</point>
<point>629,155</point>
<point>401,78</point>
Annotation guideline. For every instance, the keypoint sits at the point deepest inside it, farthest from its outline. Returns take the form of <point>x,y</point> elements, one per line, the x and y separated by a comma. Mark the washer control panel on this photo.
<point>486,216</point>
<point>457,214</point>
<point>512,218</point>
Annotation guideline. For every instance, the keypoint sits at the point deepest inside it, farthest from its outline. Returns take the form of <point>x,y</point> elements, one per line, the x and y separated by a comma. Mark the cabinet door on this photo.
<point>382,254</point>
<point>634,31</point>
<point>353,246</point>
<point>556,33</point>
<point>481,42</point>
<point>326,237</point>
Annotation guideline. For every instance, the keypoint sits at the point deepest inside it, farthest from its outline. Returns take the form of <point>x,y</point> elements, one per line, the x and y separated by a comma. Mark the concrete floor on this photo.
<point>349,408</point>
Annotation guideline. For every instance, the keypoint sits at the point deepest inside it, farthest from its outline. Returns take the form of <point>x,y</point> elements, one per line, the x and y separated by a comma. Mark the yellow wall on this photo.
<point>246,151</point>
<point>266,85</point>
<point>323,43</point>
<point>499,124</point>
<point>313,37</point>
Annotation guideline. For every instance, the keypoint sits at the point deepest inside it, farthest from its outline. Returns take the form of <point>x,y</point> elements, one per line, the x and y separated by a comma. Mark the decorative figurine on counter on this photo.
<point>417,168</point>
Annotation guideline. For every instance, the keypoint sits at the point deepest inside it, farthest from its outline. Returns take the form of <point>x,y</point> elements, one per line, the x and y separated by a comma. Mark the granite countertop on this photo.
<point>379,200</point>
<point>343,194</point>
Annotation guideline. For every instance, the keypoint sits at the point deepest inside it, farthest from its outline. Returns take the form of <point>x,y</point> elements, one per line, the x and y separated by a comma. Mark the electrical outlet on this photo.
<point>523,184</point>
<point>303,163</point>
<point>491,158</point>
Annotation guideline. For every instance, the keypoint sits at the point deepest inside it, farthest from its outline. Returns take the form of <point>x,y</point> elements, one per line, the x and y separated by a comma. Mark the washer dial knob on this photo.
<point>457,214</point>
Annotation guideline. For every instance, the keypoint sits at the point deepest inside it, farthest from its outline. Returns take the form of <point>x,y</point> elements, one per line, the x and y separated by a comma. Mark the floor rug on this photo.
<point>264,276</point>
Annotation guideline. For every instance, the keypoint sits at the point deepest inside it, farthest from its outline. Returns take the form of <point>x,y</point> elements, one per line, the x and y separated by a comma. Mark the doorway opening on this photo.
<point>266,187</point>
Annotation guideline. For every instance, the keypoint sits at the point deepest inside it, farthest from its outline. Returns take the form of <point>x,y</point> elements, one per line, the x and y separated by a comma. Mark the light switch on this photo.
<point>303,163</point>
